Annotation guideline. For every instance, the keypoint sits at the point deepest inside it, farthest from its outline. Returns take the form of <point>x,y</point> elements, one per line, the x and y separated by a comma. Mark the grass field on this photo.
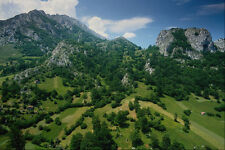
<point>8,51</point>
<point>54,84</point>
<point>205,130</point>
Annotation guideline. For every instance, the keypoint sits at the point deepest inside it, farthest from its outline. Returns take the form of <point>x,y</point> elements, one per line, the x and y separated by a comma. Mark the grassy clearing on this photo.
<point>55,83</point>
<point>30,146</point>
<point>8,51</point>
<point>213,124</point>
<point>4,78</point>
<point>89,128</point>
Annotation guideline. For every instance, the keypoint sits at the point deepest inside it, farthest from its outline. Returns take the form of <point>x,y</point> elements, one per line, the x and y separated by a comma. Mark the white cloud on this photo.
<point>10,8</point>
<point>129,25</point>
<point>104,26</point>
<point>211,9</point>
<point>171,27</point>
<point>129,35</point>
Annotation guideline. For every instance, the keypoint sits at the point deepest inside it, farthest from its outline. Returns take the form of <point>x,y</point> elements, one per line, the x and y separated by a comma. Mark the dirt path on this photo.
<point>206,134</point>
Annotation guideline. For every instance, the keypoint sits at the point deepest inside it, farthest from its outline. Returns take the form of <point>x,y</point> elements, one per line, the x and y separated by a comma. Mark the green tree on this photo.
<point>17,138</point>
<point>76,140</point>
<point>131,106</point>
<point>57,121</point>
<point>166,142</point>
<point>136,139</point>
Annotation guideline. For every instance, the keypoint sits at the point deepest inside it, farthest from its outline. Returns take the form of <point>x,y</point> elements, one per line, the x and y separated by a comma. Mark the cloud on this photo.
<point>10,8</point>
<point>98,25</point>
<point>129,35</point>
<point>104,26</point>
<point>129,25</point>
<point>211,9</point>
<point>171,27</point>
<point>181,2</point>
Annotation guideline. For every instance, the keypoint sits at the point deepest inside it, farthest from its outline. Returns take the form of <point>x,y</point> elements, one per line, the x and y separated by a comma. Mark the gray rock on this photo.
<point>60,55</point>
<point>125,80</point>
<point>148,67</point>
<point>199,39</point>
<point>220,44</point>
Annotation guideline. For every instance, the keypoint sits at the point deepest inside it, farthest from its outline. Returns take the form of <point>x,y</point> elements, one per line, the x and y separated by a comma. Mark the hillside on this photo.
<point>62,86</point>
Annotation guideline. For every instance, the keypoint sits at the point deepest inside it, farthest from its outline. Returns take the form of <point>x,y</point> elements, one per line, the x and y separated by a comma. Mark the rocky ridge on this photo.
<point>199,39</point>
<point>220,44</point>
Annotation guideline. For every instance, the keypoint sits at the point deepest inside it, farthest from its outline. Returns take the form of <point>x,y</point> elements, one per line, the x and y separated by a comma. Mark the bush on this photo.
<point>57,121</point>
<point>187,112</point>
<point>83,126</point>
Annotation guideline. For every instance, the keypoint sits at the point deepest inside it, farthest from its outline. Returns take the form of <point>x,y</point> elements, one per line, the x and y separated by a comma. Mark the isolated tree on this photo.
<point>175,117</point>
<point>131,106</point>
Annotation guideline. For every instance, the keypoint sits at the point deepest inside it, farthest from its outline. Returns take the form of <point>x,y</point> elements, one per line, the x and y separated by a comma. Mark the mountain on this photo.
<point>191,42</point>
<point>64,87</point>
<point>35,33</point>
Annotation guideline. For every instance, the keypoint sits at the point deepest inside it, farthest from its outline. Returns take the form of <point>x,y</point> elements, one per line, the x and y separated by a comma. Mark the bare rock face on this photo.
<point>220,44</point>
<point>60,55</point>
<point>148,67</point>
<point>164,40</point>
<point>200,39</point>
<point>125,80</point>
<point>27,73</point>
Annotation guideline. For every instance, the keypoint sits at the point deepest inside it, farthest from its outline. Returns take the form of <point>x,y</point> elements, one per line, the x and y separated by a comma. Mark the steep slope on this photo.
<point>37,32</point>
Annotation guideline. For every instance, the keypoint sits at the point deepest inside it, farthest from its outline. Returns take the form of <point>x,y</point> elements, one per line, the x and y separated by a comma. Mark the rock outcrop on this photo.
<point>220,44</point>
<point>193,41</point>
<point>125,80</point>
<point>148,67</point>
<point>200,39</point>
<point>60,55</point>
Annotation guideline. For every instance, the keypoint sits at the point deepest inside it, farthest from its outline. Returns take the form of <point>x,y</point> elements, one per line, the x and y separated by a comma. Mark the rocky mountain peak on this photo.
<point>190,41</point>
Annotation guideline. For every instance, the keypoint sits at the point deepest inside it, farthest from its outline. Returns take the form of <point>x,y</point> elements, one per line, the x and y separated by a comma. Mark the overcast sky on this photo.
<point>140,21</point>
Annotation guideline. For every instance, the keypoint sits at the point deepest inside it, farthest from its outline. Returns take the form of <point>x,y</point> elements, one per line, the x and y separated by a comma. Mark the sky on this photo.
<point>140,21</point>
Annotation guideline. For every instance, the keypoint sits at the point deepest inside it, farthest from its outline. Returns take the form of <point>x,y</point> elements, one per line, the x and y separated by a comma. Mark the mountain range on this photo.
<point>64,86</point>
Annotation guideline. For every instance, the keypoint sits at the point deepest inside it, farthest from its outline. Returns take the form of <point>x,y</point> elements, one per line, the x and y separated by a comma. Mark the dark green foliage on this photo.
<point>57,121</point>
<point>175,117</point>
<point>38,139</point>
<point>2,130</point>
<point>100,139</point>
<point>76,141</point>
<point>10,89</point>
<point>118,119</point>
<point>131,106</point>
<point>187,112</point>
<point>16,138</point>
<point>136,138</point>
<point>83,126</point>
<point>48,119</point>
<point>180,40</point>
<point>186,124</point>
<point>166,142</point>
<point>220,108</point>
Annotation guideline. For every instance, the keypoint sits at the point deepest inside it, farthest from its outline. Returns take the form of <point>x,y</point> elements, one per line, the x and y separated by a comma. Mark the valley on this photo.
<point>63,86</point>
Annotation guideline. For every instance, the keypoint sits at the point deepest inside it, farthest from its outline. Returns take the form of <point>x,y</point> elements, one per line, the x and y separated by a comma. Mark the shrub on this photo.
<point>83,126</point>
